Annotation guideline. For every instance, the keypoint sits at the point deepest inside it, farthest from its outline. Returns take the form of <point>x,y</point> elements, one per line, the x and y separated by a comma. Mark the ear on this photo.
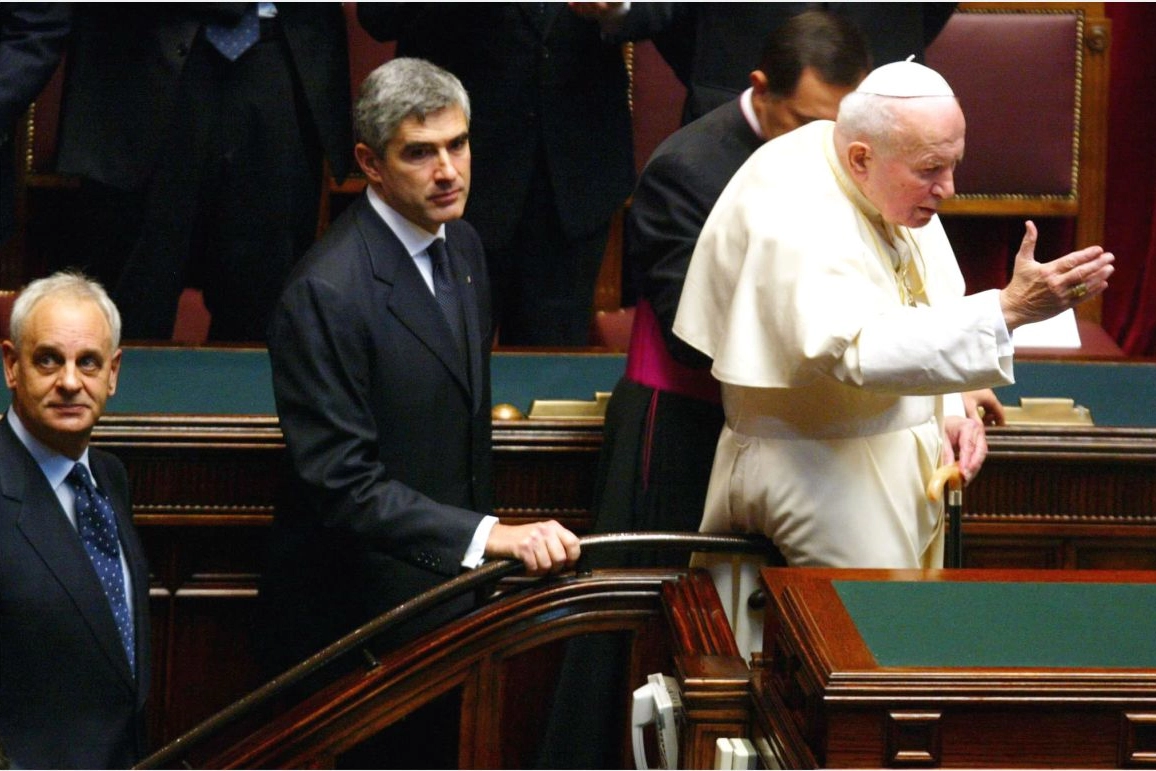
<point>858,157</point>
<point>759,81</point>
<point>369,161</point>
<point>113,371</point>
<point>11,360</point>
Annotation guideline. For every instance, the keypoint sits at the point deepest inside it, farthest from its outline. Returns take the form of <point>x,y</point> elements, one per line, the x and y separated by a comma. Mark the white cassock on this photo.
<point>836,338</point>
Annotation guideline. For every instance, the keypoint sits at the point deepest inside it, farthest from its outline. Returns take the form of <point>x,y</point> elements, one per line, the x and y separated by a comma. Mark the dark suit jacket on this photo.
<point>68,697</point>
<point>547,85</point>
<point>655,463</point>
<point>125,64</point>
<point>713,47</point>
<point>676,191</point>
<point>32,36</point>
<point>388,433</point>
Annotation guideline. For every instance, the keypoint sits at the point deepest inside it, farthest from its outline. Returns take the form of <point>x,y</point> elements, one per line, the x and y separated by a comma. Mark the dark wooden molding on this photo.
<point>204,488</point>
<point>483,658</point>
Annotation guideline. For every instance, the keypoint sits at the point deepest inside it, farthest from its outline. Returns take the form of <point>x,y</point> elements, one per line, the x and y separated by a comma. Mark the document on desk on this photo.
<point>1057,332</point>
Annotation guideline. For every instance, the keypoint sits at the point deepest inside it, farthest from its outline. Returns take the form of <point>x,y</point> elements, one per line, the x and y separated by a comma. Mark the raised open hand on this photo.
<point>1040,290</point>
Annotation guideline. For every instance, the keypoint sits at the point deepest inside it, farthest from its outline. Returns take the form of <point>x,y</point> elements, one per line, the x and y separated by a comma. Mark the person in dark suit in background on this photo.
<point>32,37</point>
<point>552,142</point>
<point>74,618</point>
<point>664,417</point>
<point>384,395</point>
<point>199,132</point>
<point>712,46</point>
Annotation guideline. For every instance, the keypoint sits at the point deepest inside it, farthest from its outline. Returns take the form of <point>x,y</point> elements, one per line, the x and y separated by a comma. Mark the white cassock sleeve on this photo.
<point>788,284</point>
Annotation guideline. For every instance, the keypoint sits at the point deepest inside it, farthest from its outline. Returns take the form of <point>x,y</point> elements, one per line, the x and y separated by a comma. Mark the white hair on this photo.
<point>67,284</point>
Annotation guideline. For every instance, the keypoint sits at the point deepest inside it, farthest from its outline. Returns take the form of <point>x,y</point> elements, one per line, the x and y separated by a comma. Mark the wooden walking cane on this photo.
<point>953,544</point>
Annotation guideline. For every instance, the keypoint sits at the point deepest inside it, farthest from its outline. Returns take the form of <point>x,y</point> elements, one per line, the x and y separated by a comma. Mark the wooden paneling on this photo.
<point>1059,497</point>
<point>204,490</point>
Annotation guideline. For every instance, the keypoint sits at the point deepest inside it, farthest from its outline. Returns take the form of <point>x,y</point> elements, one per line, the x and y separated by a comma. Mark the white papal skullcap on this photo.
<point>905,79</point>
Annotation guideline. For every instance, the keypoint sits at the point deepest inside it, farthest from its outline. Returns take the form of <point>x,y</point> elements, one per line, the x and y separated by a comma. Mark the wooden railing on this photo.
<point>344,695</point>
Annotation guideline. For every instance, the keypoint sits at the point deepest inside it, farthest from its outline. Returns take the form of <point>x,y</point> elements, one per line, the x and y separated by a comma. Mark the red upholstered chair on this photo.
<point>1033,83</point>
<point>1017,76</point>
<point>612,329</point>
<point>6,299</point>
<point>192,325</point>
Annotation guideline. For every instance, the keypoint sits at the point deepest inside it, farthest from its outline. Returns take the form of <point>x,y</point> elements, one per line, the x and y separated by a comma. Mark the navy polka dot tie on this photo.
<point>234,40</point>
<point>96,522</point>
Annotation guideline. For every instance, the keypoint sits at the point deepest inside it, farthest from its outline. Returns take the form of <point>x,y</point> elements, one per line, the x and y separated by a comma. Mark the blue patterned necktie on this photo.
<point>96,522</point>
<point>234,40</point>
<point>446,293</point>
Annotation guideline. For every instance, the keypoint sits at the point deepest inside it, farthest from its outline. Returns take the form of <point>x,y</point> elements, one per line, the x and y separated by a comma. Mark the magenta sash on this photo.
<point>650,364</point>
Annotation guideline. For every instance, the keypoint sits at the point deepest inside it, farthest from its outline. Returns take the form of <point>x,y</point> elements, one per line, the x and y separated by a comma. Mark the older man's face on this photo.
<point>908,181</point>
<point>63,373</point>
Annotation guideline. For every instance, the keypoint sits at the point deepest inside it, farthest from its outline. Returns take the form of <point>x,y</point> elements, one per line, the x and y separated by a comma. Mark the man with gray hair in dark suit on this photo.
<point>380,349</point>
<point>74,625</point>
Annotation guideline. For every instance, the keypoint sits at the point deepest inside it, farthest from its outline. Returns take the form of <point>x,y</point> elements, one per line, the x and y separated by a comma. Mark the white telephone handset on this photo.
<point>658,702</point>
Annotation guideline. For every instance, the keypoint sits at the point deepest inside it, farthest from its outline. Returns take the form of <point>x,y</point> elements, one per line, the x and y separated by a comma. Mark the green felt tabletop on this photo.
<point>236,381</point>
<point>1004,624</point>
<point>1117,393</point>
<point>239,381</point>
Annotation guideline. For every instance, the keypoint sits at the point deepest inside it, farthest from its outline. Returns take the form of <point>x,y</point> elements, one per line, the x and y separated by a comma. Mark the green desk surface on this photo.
<point>1117,393</point>
<point>237,381</point>
<point>1004,624</point>
<point>195,381</point>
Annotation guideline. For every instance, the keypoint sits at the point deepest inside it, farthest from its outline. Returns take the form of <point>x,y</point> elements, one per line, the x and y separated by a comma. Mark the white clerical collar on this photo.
<point>415,239</point>
<point>747,105</point>
<point>54,465</point>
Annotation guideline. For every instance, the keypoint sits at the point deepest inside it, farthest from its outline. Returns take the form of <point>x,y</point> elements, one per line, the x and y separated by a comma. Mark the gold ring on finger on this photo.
<point>1078,291</point>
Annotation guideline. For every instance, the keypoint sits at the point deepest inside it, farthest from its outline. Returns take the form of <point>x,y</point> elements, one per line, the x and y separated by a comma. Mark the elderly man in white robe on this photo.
<point>825,290</point>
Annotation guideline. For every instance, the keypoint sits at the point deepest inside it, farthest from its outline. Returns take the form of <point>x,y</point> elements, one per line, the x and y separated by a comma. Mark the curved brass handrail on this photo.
<point>474,580</point>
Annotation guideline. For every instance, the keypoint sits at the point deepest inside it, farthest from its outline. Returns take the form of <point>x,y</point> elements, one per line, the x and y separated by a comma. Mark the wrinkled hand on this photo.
<point>1040,290</point>
<point>543,547</point>
<point>966,444</point>
<point>986,399</point>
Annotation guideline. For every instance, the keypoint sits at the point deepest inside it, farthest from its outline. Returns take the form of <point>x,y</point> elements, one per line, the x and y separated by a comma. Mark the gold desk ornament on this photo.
<point>570,408</point>
<point>1048,411</point>
<point>506,412</point>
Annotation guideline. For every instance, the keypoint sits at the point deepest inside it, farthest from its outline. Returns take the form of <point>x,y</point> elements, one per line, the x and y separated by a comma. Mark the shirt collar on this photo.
<point>747,105</point>
<point>415,239</point>
<point>54,465</point>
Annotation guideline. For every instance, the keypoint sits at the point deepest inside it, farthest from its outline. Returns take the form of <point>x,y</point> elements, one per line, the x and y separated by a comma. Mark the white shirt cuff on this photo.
<point>476,554</point>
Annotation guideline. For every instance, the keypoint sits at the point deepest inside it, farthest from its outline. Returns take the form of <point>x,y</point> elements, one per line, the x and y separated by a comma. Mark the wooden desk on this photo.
<point>971,668</point>
<point>204,460</point>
